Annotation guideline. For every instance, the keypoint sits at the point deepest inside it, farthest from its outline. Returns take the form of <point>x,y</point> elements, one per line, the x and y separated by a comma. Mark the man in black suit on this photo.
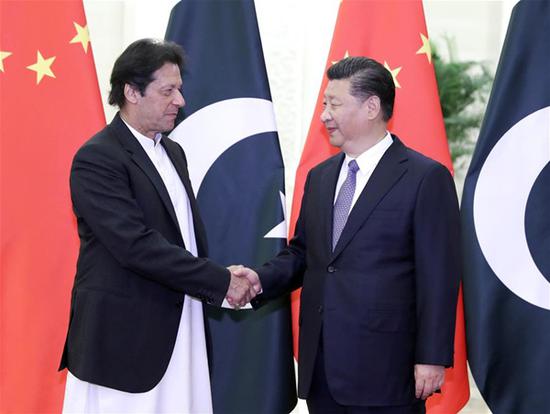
<point>136,339</point>
<point>376,250</point>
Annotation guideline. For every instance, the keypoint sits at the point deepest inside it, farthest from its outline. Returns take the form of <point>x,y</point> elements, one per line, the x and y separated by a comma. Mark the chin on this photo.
<point>335,142</point>
<point>169,127</point>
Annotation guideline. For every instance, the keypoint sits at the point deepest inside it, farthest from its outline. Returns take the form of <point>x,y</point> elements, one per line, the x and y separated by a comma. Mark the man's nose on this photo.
<point>179,100</point>
<point>325,115</point>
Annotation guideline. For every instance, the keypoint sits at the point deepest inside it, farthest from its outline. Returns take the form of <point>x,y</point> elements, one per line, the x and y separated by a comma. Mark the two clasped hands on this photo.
<point>243,287</point>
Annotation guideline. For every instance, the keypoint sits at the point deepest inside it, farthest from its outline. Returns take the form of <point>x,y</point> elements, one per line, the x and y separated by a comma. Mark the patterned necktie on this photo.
<point>343,203</point>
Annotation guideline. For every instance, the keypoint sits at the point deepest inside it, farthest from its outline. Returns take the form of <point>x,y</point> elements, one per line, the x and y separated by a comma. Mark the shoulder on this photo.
<point>430,175</point>
<point>99,139</point>
<point>114,134</point>
<point>103,145</point>
<point>428,167</point>
<point>424,163</point>
<point>333,162</point>
<point>421,164</point>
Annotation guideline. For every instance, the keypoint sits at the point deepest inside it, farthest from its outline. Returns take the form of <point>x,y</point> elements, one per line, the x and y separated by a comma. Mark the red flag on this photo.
<point>394,33</point>
<point>50,104</point>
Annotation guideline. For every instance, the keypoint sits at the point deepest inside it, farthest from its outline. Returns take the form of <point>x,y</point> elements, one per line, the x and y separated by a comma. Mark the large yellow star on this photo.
<point>426,48</point>
<point>394,73</point>
<point>82,36</point>
<point>345,56</point>
<point>3,55</point>
<point>42,67</point>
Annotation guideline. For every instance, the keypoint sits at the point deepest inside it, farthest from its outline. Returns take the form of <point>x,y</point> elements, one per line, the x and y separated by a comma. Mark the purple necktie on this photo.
<point>343,203</point>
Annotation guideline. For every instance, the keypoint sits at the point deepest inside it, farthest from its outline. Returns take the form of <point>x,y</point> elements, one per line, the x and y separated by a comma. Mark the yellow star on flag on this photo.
<point>82,36</point>
<point>394,73</point>
<point>345,56</point>
<point>42,67</point>
<point>3,55</point>
<point>426,48</point>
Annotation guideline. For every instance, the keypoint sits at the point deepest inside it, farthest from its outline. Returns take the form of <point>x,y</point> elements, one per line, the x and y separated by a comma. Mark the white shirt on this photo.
<point>367,162</point>
<point>185,386</point>
<point>173,184</point>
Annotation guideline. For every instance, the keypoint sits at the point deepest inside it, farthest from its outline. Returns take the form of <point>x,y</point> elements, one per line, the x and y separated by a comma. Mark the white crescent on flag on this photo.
<point>221,125</point>
<point>504,184</point>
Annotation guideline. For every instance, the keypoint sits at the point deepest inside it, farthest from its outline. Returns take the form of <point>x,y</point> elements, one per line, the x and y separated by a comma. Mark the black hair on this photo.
<point>136,65</point>
<point>367,78</point>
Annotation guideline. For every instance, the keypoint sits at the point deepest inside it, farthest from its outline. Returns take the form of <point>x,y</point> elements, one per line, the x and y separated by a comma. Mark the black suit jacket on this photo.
<point>133,269</point>
<point>385,298</point>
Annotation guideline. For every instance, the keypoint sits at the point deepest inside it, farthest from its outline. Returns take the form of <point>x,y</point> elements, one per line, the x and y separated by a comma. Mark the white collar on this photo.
<point>368,159</point>
<point>145,141</point>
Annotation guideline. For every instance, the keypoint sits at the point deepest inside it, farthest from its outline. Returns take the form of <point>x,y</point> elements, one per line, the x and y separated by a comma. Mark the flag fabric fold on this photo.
<point>396,36</point>
<point>50,104</point>
<point>506,227</point>
<point>229,136</point>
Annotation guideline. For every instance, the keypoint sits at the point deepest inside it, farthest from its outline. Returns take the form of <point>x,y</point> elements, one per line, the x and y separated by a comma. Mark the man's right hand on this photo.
<point>250,275</point>
<point>240,290</point>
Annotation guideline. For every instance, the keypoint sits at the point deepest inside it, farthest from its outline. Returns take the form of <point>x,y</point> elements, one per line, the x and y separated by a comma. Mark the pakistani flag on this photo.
<point>230,139</point>
<point>506,223</point>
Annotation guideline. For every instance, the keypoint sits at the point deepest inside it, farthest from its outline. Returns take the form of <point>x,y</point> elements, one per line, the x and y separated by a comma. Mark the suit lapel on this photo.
<point>140,157</point>
<point>329,178</point>
<point>179,165</point>
<point>178,160</point>
<point>391,167</point>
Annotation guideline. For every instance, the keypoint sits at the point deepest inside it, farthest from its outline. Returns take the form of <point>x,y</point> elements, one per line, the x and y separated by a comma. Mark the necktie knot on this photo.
<point>353,167</point>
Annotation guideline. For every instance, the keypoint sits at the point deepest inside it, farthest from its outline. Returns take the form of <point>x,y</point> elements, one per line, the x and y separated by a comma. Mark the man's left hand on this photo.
<point>428,379</point>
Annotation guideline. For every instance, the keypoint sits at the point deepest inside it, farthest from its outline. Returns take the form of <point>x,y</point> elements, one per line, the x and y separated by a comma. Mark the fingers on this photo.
<point>244,286</point>
<point>239,292</point>
<point>419,389</point>
<point>422,388</point>
<point>429,388</point>
<point>428,379</point>
<point>253,279</point>
<point>235,268</point>
<point>249,274</point>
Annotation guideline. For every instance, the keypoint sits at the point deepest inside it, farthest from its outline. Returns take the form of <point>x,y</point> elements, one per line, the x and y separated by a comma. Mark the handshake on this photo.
<point>244,286</point>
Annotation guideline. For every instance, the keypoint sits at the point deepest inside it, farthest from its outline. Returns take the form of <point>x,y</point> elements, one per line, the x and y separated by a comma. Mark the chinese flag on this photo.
<point>394,33</point>
<point>50,104</point>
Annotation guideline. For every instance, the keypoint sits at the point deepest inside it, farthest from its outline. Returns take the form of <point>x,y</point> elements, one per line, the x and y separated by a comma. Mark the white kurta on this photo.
<point>185,386</point>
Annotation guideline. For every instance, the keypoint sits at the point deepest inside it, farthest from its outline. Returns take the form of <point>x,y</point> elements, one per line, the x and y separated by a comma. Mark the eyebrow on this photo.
<point>171,85</point>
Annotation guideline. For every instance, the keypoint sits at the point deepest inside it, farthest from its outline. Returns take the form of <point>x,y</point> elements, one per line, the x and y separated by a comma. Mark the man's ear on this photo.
<point>131,93</point>
<point>372,104</point>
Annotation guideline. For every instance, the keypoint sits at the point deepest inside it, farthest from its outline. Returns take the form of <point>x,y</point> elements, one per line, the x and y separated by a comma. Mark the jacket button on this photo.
<point>320,309</point>
<point>331,269</point>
